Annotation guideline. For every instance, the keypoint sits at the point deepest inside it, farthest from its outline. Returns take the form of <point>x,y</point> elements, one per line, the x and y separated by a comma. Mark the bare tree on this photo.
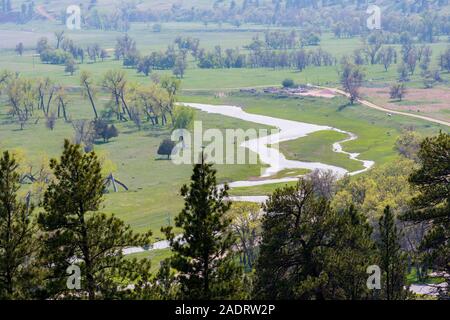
<point>61,99</point>
<point>59,38</point>
<point>84,133</point>
<point>88,90</point>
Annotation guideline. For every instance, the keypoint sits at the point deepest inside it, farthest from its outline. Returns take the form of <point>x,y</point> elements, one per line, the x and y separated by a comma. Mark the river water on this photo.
<point>272,157</point>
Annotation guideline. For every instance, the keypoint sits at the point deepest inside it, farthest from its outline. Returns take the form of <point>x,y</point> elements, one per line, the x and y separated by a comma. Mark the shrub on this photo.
<point>288,83</point>
<point>166,147</point>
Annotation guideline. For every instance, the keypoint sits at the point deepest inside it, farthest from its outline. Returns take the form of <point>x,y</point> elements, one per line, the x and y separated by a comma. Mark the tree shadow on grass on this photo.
<point>342,107</point>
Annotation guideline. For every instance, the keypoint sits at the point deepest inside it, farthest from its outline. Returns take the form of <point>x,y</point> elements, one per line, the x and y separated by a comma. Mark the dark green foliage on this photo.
<point>392,258</point>
<point>166,147</point>
<point>16,235</point>
<point>309,251</point>
<point>74,232</point>
<point>105,131</point>
<point>288,83</point>
<point>432,204</point>
<point>203,256</point>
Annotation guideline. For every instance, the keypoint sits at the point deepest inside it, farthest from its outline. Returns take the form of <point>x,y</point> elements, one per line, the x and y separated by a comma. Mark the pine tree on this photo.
<point>291,259</point>
<point>350,255</point>
<point>16,234</point>
<point>309,250</point>
<point>203,256</point>
<point>392,258</point>
<point>74,232</point>
<point>432,204</point>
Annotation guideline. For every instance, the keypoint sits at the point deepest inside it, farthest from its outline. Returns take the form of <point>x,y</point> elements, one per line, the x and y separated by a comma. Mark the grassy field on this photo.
<point>263,190</point>
<point>376,131</point>
<point>319,145</point>
<point>155,256</point>
<point>154,184</point>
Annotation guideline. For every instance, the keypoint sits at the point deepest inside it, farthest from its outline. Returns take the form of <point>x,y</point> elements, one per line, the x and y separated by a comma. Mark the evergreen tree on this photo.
<point>16,235</point>
<point>347,259</point>
<point>294,232</point>
<point>392,259</point>
<point>203,256</point>
<point>432,204</point>
<point>309,250</point>
<point>74,232</point>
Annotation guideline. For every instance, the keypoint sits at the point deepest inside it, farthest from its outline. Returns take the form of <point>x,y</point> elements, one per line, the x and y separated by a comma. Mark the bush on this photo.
<point>288,83</point>
<point>157,27</point>
<point>102,130</point>
<point>166,147</point>
<point>183,117</point>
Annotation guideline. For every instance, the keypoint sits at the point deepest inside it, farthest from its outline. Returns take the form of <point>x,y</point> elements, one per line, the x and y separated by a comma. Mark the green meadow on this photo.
<point>153,198</point>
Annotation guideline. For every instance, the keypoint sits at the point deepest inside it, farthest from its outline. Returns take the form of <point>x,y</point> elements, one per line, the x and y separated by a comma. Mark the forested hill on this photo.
<point>345,18</point>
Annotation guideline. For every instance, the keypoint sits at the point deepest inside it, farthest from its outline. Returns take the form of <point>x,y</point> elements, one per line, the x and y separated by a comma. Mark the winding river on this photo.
<point>272,157</point>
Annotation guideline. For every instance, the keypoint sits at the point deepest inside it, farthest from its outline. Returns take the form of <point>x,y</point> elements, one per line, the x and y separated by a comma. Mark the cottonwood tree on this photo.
<point>21,97</point>
<point>203,256</point>
<point>70,66</point>
<point>84,133</point>
<point>19,48</point>
<point>59,35</point>
<point>246,224</point>
<point>180,66</point>
<point>387,56</point>
<point>184,117</point>
<point>432,203</point>
<point>351,80</point>
<point>62,103</point>
<point>88,89</point>
<point>124,46</point>
<point>374,44</point>
<point>17,244</point>
<point>397,91</point>
<point>153,101</point>
<point>45,90</point>
<point>74,232</point>
<point>444,60</point>
<point>403,74</point>
<point>115,81</point>
<point>408,144</point>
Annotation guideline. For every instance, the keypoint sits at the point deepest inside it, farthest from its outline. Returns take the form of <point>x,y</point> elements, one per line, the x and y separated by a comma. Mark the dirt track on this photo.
<point>377,107</point>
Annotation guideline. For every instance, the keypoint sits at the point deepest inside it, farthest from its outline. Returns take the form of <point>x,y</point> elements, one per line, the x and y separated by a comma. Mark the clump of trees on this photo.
<point>30,98</point>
